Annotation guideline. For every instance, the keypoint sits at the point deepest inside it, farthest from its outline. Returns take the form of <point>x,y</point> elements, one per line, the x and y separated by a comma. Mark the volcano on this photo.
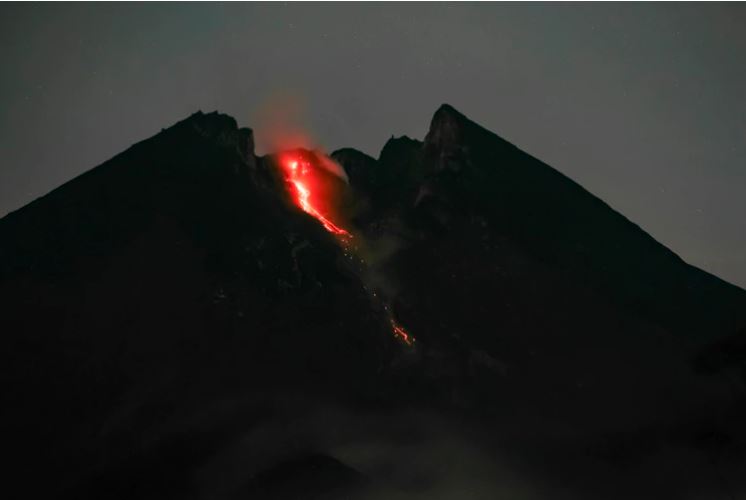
<point>191,320</point>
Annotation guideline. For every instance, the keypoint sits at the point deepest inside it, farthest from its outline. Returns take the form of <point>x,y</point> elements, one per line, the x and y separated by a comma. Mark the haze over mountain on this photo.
<point>177,327</point>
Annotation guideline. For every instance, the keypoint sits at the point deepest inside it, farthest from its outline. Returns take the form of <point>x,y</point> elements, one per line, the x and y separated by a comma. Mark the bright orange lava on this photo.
<point>307,189</point>
<point>298,173</point>
<point>401,333</point>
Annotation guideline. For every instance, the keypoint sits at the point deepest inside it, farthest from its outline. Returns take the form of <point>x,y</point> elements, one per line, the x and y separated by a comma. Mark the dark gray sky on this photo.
<point>643,104</point>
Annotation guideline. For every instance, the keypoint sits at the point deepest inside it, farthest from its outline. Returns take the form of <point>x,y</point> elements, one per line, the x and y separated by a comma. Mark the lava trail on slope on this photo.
<point>313,192</point>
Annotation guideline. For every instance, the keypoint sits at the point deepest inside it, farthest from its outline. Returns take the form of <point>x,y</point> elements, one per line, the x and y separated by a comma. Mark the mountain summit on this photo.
<point>180,324</point>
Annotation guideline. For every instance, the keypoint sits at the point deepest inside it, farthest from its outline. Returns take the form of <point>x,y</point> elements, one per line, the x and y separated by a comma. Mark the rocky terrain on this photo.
<point>176,327</point>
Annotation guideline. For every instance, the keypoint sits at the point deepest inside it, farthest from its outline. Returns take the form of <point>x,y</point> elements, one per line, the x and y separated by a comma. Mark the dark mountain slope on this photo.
<point>176,327</point>
<point>536,302</point>
<point>463,170</point>
<point>158,286</point>
<point>562,223</point>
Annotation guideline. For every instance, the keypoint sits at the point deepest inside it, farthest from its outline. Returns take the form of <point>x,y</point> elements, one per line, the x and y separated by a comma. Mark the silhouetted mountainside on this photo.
<point>176,327</point>
<point>464,172</point>
<point>159,283</point>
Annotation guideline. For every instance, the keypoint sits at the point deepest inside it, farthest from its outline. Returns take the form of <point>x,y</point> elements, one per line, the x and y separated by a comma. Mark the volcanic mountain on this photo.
<point>178,325</point>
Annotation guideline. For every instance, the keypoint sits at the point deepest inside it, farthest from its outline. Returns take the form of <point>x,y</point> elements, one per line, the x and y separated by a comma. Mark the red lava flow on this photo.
<point>300,176</point>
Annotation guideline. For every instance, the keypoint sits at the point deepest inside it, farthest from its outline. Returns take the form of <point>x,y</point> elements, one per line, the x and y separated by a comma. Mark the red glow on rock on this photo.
<point>401,333</point>
<point>304,181</point>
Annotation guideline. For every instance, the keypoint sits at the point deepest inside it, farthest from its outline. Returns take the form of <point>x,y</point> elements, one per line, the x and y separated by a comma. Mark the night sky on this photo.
<point>643,104</point>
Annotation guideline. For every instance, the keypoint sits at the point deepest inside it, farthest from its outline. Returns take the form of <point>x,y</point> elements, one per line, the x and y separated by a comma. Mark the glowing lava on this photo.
<point>401,333</point>
<point>299,175</point>
<point>309,192</point>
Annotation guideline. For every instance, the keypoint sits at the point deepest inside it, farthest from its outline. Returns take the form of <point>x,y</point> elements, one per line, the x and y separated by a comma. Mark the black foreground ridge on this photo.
<point>176,327</point>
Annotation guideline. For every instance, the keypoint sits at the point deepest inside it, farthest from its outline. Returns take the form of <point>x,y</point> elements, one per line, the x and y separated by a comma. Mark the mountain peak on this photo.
<point>446,110</point>
<point>445,137</point>
<point>447,115</point>
<point>395,147</point>
<point>223,129</point>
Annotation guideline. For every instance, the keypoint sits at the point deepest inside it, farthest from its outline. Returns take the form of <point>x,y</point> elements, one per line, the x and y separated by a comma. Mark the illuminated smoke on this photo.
<point>282,123</point>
